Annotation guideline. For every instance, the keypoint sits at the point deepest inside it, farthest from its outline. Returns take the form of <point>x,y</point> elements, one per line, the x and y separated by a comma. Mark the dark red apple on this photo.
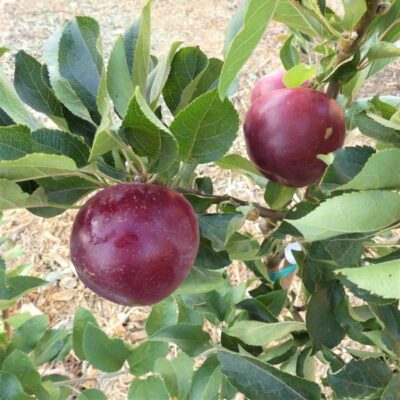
<point>134,244</point>
<point>268,83</point>
<point>286,129</point>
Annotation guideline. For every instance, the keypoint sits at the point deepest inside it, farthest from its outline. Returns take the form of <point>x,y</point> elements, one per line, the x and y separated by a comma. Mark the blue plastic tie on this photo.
<point>274,276</point>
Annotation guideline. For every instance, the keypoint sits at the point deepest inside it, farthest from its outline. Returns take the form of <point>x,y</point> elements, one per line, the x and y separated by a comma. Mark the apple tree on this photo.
<point>318,315</point>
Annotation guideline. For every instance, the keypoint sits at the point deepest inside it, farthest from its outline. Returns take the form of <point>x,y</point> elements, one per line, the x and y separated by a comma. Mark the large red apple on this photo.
<point>286,129</point>
<point>134,244</point>
<point>268,83</point>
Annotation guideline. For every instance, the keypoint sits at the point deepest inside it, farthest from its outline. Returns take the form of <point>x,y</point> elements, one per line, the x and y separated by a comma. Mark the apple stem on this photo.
<point>349,46</point>
<point>264,212</point>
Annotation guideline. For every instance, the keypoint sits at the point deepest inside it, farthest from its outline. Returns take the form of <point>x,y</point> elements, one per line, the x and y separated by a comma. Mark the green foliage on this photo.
<point>243,38</point>
<point>298,75</point>
<point>350,381</point>
<point>136,117</point>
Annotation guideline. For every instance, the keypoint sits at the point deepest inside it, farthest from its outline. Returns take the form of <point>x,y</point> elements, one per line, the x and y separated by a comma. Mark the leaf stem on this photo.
<point>71,382</point>
<point>348,47</point>
<point>131,168</point>
<point>89,178</point>
<point>264,212</point>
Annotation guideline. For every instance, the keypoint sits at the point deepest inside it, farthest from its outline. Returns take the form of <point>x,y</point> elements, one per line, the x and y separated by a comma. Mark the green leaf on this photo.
<point>369,126</point>
<point>321,317</point>
<point>26,336</point>
<point>257,333</point>
<point>15,142</point>
<point>5,119</point>
<point>343,250</point>
<point>278,196</point>
<point>163,314</point>
<point>177,375</point>
<point>161,73</point>
<point>347,164</point>
<point>279,353</point>
<point>106,354</point>
<point>53,346</point>
<point>353,11</point>
<point>12,196</point>
<point>32,85</point>
<point>381,50</point>
<point>38,165</point>
<point>11,389</point>
<point>92,394</point>
<point>209,77</point>
<point>63,143</point>
<point>237,163</point>
<point>200,203</point>
<point>82,318</point>
<point>257,15</point>
<point>61,86</point>
<point>368,211</point>
<point>64,191</point>
<point>388,317</point>
<point>150,388</point>
<point>187,313</point>
<point>218,228</point>
<point>143,357</point>
<point>379,279</point>
<point>23,368</point>
<point>119,83</point>
<point>243,247</point>
<point>190,338</point>
<point>80,60</point>
<point>296,16</point>
<point>12,106</point>
<point>16,320</point>
<point>266,307</point>
<point>140,66</point>
<point>205,129</point>
<point>289,54</point>
<point>186,70</point>
<point>200,281</point>
<point>104,141</point>
<point>210,259</point>
<point>360,379</point>
<point>259,381</point>
<point>18,285</point>
<point>298,75</point>
<point>379,172</point>
<point>148,136</point>
<point>392,389</point>
<point>207,380</point>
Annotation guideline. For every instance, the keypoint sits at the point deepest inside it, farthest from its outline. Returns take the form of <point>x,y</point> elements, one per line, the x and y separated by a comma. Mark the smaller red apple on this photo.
<point>285,131</point>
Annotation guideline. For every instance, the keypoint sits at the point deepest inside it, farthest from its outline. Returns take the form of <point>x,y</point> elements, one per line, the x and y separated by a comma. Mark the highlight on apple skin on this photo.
<point>134,243</point>
<point>285,130</point>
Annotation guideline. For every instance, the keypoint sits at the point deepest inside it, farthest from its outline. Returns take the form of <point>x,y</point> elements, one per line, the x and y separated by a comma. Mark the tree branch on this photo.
<point>264,211</point>
<point>351,45</point>
<point>7,326</point>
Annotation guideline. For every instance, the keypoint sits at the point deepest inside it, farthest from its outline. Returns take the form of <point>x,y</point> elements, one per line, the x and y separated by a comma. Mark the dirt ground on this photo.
<point>26,24</point>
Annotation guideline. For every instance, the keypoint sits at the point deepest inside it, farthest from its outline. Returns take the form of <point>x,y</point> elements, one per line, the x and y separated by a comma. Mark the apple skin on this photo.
<point>268,83</point>
<point>286,129</point>
<point>134,244</point>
